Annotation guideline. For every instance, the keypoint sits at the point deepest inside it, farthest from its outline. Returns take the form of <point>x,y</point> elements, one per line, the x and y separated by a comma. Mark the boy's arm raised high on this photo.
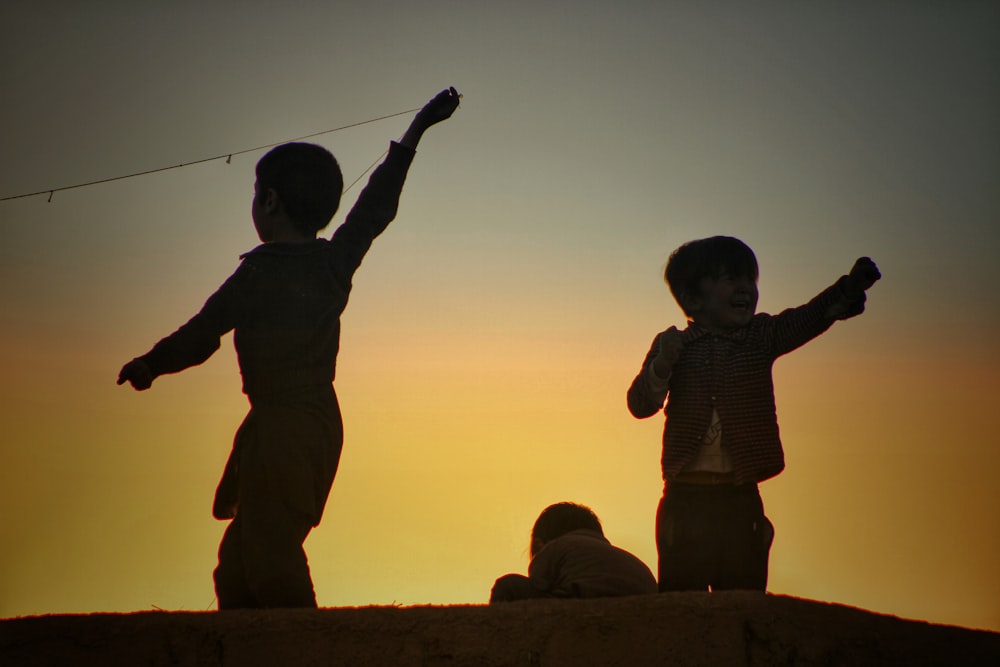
<point>438,109</point>
<point>378,202</point>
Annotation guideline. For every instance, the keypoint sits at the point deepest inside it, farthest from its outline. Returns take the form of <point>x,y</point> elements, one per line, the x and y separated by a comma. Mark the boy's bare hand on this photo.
<point>862,276</point>
<point>137,373</point>
<point>440,108</point>
<point>670,346</point>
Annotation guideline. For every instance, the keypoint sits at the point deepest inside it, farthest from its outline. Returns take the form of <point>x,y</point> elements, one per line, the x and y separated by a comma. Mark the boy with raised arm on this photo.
<point>721,433</point>
<point>283,304</point>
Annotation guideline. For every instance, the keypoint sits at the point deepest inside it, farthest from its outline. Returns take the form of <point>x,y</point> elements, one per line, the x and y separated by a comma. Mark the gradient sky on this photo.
<point>495,327</point>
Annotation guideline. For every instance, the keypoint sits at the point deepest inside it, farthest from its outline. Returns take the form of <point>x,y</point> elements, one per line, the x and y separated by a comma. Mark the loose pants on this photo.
<point>712,537</point>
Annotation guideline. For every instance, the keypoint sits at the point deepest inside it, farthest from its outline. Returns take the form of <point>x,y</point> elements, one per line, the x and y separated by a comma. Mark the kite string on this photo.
<point>227,156</point>
<point>370,167</point>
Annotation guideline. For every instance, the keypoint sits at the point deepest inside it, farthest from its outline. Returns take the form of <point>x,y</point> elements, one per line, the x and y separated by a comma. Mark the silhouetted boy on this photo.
<point>283,304</point>
<point>721,434</point>
<point>571,558</point>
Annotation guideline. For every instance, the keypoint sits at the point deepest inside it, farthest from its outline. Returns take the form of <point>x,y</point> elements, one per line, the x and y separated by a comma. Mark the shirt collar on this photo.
<point>287,249</point>
<point>695,331</point>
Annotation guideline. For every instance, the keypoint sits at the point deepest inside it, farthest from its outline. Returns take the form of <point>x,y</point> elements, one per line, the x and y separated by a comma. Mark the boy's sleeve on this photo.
<point>196,340</point>
<point>794,327</point>
<point>375,209</point>
<point>648,391</point>
<point>842,306</point>
<point>543,570</point>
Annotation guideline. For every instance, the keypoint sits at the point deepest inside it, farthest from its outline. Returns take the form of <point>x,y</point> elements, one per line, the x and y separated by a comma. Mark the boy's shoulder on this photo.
<point>287,249</point>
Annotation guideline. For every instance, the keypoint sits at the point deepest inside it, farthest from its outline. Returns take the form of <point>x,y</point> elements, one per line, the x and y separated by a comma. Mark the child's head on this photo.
<point>559,519</point>
<point>307,180</point>
<point>699,267</point>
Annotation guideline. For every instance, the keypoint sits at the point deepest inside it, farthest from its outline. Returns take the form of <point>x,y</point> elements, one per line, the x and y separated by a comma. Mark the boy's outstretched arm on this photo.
<point>438,109</point>
<point>379,200</point>
<point>863,275</point>
<point>138,373</point>
<point>851,290</point>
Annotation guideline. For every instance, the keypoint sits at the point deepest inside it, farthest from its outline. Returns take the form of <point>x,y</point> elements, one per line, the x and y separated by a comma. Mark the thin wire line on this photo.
<point>370,167</point>
<point>227,156</point>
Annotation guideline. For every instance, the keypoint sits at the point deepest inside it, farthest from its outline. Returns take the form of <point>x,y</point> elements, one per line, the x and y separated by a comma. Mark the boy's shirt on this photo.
<point>731,375</point>
<point>584,564</point>
<point>284,301</point>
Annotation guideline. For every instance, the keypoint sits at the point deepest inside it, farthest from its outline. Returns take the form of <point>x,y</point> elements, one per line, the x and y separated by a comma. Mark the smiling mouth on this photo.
<point>742,307</point>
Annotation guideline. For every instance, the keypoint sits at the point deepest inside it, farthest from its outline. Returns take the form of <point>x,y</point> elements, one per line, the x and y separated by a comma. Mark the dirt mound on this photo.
<point>678,629</point>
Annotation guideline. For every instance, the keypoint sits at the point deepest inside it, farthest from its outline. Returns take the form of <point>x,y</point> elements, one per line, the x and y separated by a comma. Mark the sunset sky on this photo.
<point>494,328</point>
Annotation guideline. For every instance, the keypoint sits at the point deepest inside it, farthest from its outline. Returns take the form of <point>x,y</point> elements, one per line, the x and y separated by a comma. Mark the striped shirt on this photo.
<point>731,374</point>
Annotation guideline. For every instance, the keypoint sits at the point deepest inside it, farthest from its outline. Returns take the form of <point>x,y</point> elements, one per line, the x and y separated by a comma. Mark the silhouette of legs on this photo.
<point>712,537</point>
<point>261,559</point>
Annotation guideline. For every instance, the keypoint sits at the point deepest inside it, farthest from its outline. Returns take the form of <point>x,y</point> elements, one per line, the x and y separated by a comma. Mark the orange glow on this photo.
<point>495,327</point>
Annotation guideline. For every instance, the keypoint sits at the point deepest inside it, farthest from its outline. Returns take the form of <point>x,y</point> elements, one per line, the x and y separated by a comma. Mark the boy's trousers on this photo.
<point>712,536</point>
<point>275,486</point>
<point>261,560</point>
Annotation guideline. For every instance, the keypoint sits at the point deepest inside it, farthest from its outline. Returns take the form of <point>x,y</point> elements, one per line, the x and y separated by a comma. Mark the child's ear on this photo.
<point>271,201</point>
<point>691,302</point>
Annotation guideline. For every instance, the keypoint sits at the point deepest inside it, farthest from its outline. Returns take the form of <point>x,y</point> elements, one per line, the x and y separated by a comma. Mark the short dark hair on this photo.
<point>307,180</point>
<point>707,258</point>
<point>561,518</point>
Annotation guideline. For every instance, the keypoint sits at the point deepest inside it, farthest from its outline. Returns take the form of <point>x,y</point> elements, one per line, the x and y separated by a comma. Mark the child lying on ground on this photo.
<point>571,558</point>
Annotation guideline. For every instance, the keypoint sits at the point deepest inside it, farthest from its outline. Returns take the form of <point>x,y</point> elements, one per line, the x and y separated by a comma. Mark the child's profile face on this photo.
<point>724,303</point>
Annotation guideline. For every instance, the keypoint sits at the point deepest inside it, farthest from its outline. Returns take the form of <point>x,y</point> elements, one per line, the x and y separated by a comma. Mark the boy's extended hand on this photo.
<point>138,373</point>
<point>863,275</point>
<point>438,109</point>
<point>670,346</point>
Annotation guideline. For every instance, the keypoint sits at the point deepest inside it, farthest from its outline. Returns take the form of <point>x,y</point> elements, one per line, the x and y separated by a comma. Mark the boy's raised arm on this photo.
<point>438,109</point>
<point>863,275</point>
<point>647,392</point>
<point>850,290</point>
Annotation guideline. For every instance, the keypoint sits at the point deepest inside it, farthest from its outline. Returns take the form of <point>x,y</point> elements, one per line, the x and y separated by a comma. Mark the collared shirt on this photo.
<point>284,301</point>
<point>731,374</point>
